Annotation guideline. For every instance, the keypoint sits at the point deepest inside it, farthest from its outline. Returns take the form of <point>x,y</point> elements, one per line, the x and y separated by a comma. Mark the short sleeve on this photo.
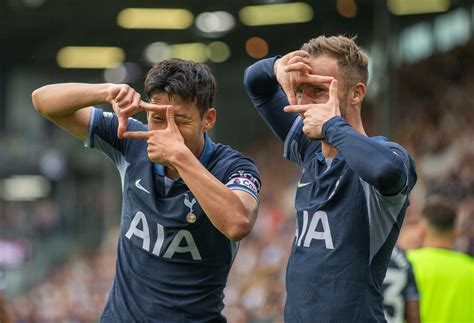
<point>243,175</point>
<point>410,293</point>
<point>103,135</point>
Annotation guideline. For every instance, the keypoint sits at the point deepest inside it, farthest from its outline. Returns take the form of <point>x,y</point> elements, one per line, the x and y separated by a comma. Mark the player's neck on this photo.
<point>355,120</point>
<point>171,173</point>
<point>328,150</point>
<point>431,241</point>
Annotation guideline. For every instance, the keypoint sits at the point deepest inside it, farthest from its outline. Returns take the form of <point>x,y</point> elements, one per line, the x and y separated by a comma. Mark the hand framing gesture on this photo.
<point>316,115</point>
<point>162,144</point>
<point>294,69</point>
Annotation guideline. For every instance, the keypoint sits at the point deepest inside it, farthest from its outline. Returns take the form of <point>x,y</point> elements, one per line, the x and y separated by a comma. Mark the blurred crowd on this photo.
<point>434,121</point>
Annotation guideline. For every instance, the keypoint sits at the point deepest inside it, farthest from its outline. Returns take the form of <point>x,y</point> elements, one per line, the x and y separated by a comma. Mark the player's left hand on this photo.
<point>163,145</point>
<point>316,115</point>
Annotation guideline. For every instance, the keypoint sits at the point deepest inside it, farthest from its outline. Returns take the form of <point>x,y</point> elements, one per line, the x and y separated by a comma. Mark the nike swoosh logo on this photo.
<point>303,184</point>
<point>138,185</point>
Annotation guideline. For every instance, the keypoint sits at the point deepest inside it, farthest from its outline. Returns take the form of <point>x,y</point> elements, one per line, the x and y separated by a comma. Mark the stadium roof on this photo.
<point>33,31</point>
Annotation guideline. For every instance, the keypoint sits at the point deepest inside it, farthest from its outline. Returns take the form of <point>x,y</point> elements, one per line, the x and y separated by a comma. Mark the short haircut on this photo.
<point>352,60</point>
<point>189,81</point>
<point>439,213</point>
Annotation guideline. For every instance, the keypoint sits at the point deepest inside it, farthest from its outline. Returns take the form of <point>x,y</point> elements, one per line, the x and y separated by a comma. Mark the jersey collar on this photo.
<point>204,158</point>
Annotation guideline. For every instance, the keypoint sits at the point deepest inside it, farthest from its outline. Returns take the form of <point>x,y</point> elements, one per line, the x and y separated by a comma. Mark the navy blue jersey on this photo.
<point>172,263</point>
<point>349,210</point>
<point>399,286</point>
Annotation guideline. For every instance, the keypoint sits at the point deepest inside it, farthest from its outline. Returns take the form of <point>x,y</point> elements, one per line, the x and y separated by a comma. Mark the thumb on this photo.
<point>122,126</point>
<point>290,94</point>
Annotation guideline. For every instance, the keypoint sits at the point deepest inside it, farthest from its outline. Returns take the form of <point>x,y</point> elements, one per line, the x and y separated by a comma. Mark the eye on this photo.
<point>157,118</point>
<point>298,92</point>
<point>318,90</point>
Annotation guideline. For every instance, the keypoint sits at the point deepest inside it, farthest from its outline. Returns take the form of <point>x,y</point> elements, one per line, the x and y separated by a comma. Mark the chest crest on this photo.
<point>189,203</point>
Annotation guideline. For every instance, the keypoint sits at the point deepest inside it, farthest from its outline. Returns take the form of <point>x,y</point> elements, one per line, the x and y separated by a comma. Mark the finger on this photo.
<point>296,108</point>
<point>136,100</point>
<point>333,91</point>
<point>298,67</point>
<point>123,92</point>
<point>312,78</point>
<point>154,107</point>
<point>127,100</point>
<point>290,94</point>
<point>122,126</point>
<point>301,53</point>
<point>134,107</point>
<point>138,134</point>
<point>296,59</point>
<point>292,99</point>
<point>171,124</point>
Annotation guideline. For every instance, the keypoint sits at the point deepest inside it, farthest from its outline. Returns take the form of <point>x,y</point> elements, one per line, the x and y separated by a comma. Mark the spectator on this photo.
<point>445,277</point>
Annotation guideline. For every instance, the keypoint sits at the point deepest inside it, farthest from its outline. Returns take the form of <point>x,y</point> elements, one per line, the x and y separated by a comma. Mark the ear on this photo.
<point>210,119</point>
<point>357,94</point>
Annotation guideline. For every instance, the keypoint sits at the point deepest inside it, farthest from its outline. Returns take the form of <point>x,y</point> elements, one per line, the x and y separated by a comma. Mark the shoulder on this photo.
<point>228,163</point>
<point>136,125</point>
<point>226,156</point>
<point>463,258</point>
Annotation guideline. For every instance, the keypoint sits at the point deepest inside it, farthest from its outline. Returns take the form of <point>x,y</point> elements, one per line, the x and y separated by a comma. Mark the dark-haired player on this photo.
<point>187,201</point>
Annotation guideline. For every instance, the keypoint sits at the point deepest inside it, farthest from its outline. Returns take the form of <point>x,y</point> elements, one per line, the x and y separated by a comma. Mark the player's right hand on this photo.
<point>294,69</point>
<point>315,115</point>
<point>125,102</point>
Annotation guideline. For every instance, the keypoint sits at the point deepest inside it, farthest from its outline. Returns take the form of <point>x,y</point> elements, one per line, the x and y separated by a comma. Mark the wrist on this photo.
<point>180,156</point>
<point>276,64</point>
<point>329,125</point>
<point>107,93</point>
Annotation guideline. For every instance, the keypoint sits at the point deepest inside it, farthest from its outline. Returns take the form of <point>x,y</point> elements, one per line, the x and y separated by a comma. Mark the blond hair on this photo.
<point>352,60</point>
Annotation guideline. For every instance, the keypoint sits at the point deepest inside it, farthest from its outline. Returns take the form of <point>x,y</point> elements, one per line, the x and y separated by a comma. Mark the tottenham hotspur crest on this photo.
<point>191,217</point>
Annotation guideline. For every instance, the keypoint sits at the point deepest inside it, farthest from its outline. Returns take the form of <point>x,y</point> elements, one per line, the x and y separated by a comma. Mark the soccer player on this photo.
<point>445,277</point>
<point>353,192</point>
<point>400,293</point>
<point>187,201</point>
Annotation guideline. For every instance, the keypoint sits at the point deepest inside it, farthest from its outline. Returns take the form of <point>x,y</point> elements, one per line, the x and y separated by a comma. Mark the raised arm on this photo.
<point>232,212</point>
<point>267,97</point>
<point>383,165</point>
<point>270,85</point>
<point>68,104</point>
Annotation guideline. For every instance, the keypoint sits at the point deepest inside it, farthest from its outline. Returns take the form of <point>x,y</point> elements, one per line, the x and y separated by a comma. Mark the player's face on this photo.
<point>319,93</point>
<point>190,124</point>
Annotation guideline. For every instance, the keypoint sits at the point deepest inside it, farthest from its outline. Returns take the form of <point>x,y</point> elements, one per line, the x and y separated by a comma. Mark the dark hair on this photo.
<point>189,81</point>
<point>440,213</point>
<point>350,57</point>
